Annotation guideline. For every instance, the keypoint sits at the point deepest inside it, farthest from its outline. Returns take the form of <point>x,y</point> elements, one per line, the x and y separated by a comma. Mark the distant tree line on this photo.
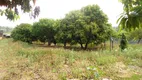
<point>84,26</point>
<point>6,29</point>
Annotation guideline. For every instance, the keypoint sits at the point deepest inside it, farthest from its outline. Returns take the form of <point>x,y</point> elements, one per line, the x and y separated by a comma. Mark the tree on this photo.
<point>22,32</point>
<point>44,30</point>
<point>56,25</point>
<point>74,28</point>
<point>131,17</point>
<point>12,11</point>
<point>88,25</point>
<point>64,32</point>
<point>95,24</point>
<point>77,24</point>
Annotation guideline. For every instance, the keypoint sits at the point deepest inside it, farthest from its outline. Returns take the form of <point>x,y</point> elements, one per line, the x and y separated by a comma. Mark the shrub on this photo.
<point>123,42</point>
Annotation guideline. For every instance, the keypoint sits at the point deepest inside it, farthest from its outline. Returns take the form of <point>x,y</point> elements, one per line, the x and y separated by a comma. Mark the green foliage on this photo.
<point>11,15</point>
<point>129,23</point>
<point>31,55</point>
<point>106,60</point>
<point>64,32</point>
<point>133,77</point>
<point>22,32</point>
<point>93,73</point>
<point>85,26</point>
<point>131,17</point>
<point>12,12</point>
<point>44,30</point>
<point>123,42</point>
<point>95,25</point>
<point>88,25</point>
<point>136,35</point>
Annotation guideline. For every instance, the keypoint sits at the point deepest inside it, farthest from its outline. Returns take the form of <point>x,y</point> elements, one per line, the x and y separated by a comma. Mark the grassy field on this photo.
<point>21,61</point>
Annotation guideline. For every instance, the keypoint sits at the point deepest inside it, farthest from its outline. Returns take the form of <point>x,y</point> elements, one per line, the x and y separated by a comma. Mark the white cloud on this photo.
<point>58,8</point>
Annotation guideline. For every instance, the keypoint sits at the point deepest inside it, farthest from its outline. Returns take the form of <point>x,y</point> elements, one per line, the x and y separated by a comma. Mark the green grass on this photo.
<point>133,77</point>
<point>20,60</point>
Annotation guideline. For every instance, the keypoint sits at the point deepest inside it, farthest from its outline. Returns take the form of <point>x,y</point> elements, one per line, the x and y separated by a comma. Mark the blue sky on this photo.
<point>57,9</point>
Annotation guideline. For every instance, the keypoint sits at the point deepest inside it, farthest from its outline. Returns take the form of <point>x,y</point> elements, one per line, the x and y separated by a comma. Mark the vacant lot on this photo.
<point>20,61</point>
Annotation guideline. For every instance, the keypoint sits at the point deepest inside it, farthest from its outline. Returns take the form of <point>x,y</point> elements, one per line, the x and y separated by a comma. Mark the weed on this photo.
<point>21,60</point>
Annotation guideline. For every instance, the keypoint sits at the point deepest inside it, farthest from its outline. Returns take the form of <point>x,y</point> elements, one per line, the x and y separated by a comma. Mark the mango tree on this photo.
<point>44,30</point>
<point>88,25</point>
<point>12,12</point>
<point>131,17</point>
<point>22,32</point>
<point>95,24</point>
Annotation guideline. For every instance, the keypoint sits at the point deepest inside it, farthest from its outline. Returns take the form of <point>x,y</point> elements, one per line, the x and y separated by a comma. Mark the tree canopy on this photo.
<point>136,35</point>
<point>44,30</point>
<point>85,26</point>
<point>131,17</point>
<point>12,12</point>
<point>89,25</point>
<point>22,32</point>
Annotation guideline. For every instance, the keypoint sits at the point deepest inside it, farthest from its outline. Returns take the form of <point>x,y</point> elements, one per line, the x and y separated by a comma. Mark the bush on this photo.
<point>123,42</point>
<point>22,33</point>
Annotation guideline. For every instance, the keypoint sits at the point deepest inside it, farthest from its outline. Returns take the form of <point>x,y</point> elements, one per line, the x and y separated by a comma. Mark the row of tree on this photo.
<point>84,26</point>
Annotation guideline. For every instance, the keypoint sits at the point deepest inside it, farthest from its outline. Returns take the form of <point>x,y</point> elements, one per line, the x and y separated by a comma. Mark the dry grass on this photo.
<point>21,61</point>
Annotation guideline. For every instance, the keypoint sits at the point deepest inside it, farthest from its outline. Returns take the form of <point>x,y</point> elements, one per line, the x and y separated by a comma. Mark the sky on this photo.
<point>57,9</point>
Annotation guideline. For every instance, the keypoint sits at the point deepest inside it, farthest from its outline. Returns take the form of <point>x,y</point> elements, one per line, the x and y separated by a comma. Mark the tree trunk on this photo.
<point>112,45</point>
<point>104,45</point>
<point>139,40</point>
<point>86,45</point>
<point>49,43</point>
<point>64,44</point>
<point>81,45</point>
<point>54,43</point>
<point>44,42</point>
